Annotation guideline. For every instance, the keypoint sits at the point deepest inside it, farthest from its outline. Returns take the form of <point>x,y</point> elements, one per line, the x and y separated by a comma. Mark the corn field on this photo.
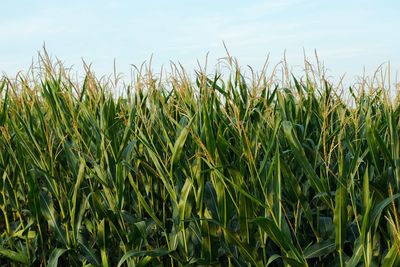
<point>216,170</point>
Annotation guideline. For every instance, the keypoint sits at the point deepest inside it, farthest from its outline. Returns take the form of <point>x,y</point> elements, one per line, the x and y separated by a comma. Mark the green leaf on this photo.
<point>357,254</point>
<point>279,237</point>
<point>321,249</point>
<point>378,209</point>
<point>272,259</point>
<point>340,216</point>
<point>179,143</point>
<point>88,253</point>
<point>392,257</point>
<point>151,253</point>
<point>14,256</point>
<point>55,254</point>
<point>318,185</point>
<point>50,214</point>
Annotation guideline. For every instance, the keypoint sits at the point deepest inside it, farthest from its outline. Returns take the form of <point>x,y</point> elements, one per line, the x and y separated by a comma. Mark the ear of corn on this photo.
<point>219,171</point>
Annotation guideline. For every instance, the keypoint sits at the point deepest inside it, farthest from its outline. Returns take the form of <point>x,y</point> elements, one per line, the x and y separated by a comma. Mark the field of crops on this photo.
<point>233,170</point>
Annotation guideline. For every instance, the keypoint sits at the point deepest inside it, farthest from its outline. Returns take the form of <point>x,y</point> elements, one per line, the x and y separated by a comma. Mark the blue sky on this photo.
<point>348,35</point>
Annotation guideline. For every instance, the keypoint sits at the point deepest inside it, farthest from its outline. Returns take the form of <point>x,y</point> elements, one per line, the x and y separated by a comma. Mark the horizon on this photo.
<point>349,38</point>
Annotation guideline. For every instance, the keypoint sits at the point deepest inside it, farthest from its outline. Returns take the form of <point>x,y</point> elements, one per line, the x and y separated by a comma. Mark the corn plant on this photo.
<point>218,170</point>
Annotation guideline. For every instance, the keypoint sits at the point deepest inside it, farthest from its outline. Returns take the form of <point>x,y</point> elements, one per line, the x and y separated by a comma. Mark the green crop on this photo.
<point>218,170</point>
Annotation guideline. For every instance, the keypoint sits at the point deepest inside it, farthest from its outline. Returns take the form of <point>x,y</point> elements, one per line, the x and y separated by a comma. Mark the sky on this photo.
<point>349,36</point>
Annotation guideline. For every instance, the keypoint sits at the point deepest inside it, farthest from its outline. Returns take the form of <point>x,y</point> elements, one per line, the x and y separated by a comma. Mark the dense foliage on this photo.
<point>217,171</point>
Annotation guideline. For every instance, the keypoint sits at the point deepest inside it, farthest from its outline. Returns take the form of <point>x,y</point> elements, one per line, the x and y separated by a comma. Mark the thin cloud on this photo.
<point>30,27</point>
